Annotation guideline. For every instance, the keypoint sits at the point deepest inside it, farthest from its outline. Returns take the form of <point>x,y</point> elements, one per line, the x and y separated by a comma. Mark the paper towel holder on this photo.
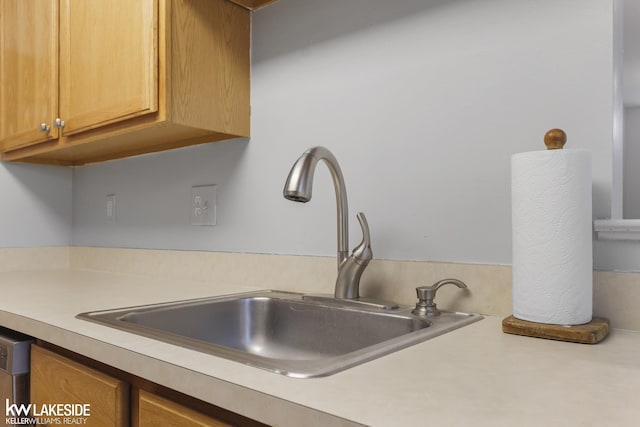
<point>555,139</point>
<point>588,333</point>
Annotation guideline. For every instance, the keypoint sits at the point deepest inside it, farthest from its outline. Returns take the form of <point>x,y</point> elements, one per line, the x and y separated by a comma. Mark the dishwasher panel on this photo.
<point>15,349</point>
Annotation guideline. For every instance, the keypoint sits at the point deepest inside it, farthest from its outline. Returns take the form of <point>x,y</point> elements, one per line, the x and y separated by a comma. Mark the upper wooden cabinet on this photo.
<point>253,4</point>
<point>108,62</point>
<point>122,77</point>
<point>28,72</point>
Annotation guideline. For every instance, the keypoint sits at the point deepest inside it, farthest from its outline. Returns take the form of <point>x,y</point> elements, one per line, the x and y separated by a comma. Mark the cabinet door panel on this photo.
<point>108,61</point>
<point>155,411</point>
<point>28,71</point>
<point>56,379</point>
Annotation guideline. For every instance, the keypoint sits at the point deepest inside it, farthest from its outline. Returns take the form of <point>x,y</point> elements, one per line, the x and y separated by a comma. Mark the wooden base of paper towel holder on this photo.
<point>589,333</point>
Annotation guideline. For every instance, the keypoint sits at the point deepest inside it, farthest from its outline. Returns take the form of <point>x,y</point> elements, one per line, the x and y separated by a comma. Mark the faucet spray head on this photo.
<point>299,185</point>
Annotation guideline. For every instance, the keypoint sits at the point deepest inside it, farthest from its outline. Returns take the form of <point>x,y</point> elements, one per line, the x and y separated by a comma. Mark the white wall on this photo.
<point>632,163</point>
<point>35,205</point>
<point>631,23</point>
<point>423,102</point>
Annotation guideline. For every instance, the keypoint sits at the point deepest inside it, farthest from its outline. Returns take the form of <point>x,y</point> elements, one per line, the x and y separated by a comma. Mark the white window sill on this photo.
<point>617,229</point>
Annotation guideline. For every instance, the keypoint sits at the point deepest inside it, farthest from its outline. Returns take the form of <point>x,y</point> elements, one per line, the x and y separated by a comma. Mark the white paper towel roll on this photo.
<point>552,236</point>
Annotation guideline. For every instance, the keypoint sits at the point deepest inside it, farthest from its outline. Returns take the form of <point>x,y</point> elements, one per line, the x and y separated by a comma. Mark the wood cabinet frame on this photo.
<point>180,403</point>
<point>203,90</point>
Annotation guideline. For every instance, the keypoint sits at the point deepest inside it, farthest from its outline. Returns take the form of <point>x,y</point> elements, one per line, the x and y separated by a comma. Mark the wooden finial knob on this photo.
<point>555,139</point>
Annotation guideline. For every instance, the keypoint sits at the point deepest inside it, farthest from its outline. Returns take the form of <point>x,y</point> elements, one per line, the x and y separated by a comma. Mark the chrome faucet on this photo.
<point>298,189</point>
<point>350,271</point>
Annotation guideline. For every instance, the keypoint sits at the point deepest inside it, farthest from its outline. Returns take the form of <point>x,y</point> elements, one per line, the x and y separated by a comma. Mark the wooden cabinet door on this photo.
<point>156,411</point>
<point>56,379</point>
<point>28,71</point>
<point>108,61</point>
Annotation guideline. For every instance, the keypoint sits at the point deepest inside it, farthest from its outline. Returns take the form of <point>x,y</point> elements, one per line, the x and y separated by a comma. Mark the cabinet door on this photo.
<point>108,61</point>
<point>28,71</point>
<point>56,379</point>
<point>156,411</point>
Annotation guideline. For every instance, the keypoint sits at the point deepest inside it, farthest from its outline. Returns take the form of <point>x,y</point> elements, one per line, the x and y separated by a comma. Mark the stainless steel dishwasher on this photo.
<point>15,349</point>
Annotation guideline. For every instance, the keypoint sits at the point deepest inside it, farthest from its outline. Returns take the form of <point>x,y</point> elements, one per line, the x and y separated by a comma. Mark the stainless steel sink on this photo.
<point>283,332</point>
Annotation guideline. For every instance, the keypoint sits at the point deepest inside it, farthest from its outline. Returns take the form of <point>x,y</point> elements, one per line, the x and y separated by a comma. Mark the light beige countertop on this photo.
<point>473,376</point>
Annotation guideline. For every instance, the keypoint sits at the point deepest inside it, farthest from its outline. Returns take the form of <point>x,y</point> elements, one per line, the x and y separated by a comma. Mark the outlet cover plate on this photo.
<point>203,205</point>
<point>110,213</point>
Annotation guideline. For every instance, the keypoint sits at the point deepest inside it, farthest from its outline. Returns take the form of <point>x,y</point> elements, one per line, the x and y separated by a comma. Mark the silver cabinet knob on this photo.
<point>45,128</point>
<point>57,123</point>
<point>426,305</point>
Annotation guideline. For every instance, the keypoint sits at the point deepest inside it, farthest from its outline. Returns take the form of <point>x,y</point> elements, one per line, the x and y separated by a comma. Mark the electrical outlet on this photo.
<point>203,205</point>
<point>111,208</point>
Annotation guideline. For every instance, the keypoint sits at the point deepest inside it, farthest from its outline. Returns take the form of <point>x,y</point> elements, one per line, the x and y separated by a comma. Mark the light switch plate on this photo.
<point>203,205</point>
<point>111,208</point>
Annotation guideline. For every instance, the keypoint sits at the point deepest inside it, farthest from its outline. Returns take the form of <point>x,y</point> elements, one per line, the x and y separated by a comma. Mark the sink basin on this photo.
<point>283,332</point>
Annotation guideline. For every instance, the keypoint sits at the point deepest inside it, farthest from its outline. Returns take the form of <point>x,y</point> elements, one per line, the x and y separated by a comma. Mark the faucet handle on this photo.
<point>426,305</point>
<point>350,271</point>
<point>363,251</point>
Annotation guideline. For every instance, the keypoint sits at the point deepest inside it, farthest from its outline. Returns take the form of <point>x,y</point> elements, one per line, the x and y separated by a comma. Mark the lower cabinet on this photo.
<point>116,398</point>
<point>153,411</point>
<point>56,379</point>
